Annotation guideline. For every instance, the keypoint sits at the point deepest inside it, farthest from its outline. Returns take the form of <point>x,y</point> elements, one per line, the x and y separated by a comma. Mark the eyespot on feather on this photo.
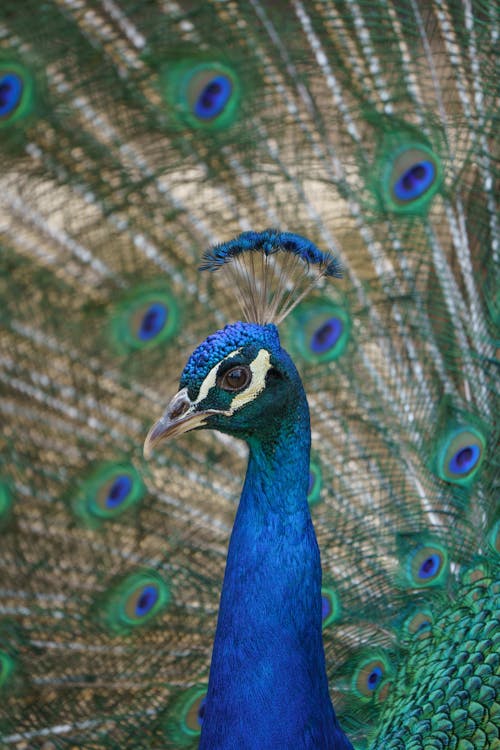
<point>11,91</point>
<point>459,454</point>
<point>369,676</point>
<point>17,96</point>
<point>209,92</point>
<point>318,331</point>
<point>407,171</point>
<point>110,490</point>
<point>410,178</point>
<point>134,601</point>
<point>141,602</point>
<point>413,174</point>
<point>205,95</point>
<point>427,565</point>
<point>144,319</point>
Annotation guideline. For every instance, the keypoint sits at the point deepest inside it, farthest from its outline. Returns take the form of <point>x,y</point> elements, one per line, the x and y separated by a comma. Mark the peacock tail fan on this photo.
<point>133,136</point>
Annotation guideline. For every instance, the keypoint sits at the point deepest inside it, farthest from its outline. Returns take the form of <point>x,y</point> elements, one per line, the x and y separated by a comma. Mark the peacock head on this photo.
<point>238,381</point>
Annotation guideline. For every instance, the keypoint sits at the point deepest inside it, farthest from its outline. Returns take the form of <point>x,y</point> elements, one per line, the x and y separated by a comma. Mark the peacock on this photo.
<point>268,686</point>
<point>138,141</point>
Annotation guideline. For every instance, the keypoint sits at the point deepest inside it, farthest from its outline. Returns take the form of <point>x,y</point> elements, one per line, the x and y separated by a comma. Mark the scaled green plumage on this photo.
<point>369,128</point>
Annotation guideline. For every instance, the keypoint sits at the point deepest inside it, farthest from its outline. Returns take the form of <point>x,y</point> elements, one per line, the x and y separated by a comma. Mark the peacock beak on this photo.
<point>179,416</point>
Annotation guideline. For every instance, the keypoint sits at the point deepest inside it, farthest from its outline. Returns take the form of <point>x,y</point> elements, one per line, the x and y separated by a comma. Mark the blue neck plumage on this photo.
<point>268,685</point>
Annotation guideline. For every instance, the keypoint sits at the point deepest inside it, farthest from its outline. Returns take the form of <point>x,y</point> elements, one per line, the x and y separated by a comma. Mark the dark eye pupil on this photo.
<point>236,377</point>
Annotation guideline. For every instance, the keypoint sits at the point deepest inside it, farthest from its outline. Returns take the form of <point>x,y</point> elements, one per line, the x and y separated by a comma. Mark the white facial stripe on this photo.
<point>260,366</point>
<point>211,378</point>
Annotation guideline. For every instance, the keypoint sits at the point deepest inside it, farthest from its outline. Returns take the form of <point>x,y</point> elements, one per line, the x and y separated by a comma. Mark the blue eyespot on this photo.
<point>11,92</point>
<point>153,321</point>
<point>427,565</point>
<point>107,492</point>
<point>369,676</point>
<point>213,98</point>
<point>460,452</point>
<point>415,181</point>
<point>203,95</point>
<point>374,678</point>
<point>318,330</point>
<point>406,174</point>
<point>327,335</point>
<point>146,600</point>
<point>464,459</point>
<point>134,601</point>
<point>424,625</point>
<point>430,566</point>
<point>119,491</point>
<point>144,319</point>
<point>17,93</point>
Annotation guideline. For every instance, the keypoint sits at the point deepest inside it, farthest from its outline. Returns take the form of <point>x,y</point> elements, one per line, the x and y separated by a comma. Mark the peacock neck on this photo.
<point>277,477</point>
<point>268,686</point>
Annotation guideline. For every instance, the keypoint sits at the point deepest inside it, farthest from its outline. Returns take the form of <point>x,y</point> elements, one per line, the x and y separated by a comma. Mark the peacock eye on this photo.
<point>236,378</point>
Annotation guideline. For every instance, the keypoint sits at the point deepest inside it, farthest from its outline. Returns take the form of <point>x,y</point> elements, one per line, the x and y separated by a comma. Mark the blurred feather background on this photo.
<point>134,135</point>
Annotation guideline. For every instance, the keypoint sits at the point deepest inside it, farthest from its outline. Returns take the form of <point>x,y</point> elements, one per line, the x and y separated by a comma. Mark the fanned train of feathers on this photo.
<point>134,136</point>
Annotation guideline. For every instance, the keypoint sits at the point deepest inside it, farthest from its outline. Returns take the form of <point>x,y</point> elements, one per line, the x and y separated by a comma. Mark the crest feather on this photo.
<point>270,271</point>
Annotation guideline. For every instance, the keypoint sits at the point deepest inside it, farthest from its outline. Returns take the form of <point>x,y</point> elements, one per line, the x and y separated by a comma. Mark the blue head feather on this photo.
<point>221,343</point>
<point>268,242</point>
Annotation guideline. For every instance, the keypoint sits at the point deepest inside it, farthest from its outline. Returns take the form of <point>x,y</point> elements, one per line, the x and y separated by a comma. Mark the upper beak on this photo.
<point>179,416</point>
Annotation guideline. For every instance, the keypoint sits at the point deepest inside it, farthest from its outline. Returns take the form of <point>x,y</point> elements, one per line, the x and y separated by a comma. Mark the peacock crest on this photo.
<point>271,272</point>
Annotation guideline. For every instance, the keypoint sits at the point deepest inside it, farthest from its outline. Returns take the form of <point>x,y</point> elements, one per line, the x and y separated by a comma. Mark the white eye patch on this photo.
<point>259,367</point>
<point>211,378</point>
